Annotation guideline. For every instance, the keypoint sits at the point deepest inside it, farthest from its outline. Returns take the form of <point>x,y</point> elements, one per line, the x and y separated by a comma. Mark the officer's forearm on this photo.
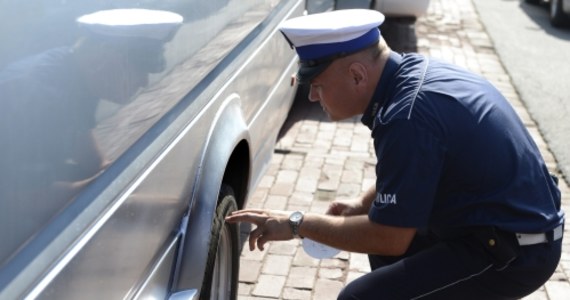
<point>356,234</point>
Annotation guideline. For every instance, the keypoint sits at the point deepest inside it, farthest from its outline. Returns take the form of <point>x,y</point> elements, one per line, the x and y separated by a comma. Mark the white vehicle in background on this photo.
<point>401,9</point>
<point>559,11</point>
<point>399,26</point>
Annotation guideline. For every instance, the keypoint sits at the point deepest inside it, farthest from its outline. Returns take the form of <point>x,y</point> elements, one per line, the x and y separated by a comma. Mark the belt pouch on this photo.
<point>502,247</point>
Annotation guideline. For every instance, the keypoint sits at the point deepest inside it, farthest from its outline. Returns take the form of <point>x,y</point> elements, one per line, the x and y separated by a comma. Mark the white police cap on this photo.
<point>141,33</point>
<point>132,22</point>
<point>321,38</point>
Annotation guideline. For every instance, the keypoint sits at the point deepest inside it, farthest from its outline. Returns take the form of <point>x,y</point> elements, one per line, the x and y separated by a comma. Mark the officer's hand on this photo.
<point>272,225</point>
<point>351,207</point>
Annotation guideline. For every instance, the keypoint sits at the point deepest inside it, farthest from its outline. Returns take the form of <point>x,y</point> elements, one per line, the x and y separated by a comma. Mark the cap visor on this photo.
<point>306,73</point>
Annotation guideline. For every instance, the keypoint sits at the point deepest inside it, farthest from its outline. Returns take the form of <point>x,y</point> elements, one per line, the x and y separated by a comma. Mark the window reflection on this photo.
<point>49,107</point>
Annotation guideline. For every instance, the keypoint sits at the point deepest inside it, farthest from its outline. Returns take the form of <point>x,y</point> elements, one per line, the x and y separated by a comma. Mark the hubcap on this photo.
<point>222,276</point>
<point>553,8</point>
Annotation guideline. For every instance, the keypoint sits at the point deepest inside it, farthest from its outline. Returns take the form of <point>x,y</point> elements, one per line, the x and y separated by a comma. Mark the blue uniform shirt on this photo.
<point>46,121</point>
<point>453,153</point>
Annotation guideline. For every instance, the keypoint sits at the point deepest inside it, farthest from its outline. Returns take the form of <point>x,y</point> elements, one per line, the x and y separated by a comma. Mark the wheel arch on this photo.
<point>226,159</point>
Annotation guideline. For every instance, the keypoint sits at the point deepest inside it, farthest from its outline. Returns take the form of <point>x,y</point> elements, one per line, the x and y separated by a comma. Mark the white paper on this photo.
<point>318,250</point>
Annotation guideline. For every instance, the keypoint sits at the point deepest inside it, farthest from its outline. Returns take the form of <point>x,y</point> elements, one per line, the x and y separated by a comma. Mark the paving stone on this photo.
<point>287,176</point>
<point>351,176</point>
<point>327,289</point>
<point>277,265</point>
<point>331,273</point>
<point>359,262</point>
<point>302,277</point>
<point>249,271</point>
<point>303,259</point>
<point>269,286</point>
<point>258,198</point>
<point>301,197</point>
<point>255,255</point>
<point>292,162</point>
<point>282,189</point>
<point>307,183</point>
<point>244,289</point>
<point>275,202</point>
<point>313,162</point>
<point>266,182</point>
<point>296,294</point>
<point>557,290</point>
<point>348,190</point>
<point>319,207</point>
<point>284,248</point>
<point>333,263</point>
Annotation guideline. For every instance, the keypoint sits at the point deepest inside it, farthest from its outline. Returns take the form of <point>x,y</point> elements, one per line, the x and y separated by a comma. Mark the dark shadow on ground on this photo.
<point>539,15</point>
<point>302,109</point>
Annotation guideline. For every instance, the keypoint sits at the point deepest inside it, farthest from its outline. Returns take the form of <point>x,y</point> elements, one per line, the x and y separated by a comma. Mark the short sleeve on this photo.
<point>410,162</point>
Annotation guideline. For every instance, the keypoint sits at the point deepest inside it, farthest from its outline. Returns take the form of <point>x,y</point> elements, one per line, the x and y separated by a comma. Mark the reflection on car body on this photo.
<point>124,127</point>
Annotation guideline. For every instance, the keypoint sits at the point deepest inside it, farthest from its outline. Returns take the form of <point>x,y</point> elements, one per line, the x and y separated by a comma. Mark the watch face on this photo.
<point>296,216</point>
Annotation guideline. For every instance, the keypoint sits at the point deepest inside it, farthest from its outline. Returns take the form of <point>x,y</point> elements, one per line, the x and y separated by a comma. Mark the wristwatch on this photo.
<point>295,220</point>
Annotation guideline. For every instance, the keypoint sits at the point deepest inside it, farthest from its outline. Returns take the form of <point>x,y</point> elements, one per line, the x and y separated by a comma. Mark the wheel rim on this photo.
<point>553,8</point>
<point>222,275</point>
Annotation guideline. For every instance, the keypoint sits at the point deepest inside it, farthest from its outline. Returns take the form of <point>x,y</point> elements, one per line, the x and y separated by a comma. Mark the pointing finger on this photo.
<point>252,218</point>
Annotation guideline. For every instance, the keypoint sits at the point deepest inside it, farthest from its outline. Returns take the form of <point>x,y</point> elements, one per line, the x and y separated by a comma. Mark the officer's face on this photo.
<point>332,89</point>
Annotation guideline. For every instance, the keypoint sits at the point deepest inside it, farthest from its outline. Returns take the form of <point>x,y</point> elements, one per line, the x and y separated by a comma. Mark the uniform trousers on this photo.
<point>461,267</point>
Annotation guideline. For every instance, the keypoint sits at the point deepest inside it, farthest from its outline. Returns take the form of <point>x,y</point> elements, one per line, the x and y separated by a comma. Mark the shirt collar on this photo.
<point>382,87</point>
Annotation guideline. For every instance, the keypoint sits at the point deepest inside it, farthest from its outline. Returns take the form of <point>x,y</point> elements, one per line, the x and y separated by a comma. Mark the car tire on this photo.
<point>222,269</point>
<point>535,2</point>
<point>345,4</point>
<point>557,16</point>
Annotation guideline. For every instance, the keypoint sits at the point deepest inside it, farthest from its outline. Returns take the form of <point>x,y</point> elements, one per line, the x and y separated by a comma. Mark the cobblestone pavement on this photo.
<point>317,160</point>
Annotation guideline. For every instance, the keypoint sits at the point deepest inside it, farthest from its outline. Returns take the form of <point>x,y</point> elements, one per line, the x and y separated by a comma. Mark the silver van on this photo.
<point>128,130</point>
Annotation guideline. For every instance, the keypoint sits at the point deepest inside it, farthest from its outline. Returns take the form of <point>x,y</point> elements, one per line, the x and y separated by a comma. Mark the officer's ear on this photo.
<point>358,74</point>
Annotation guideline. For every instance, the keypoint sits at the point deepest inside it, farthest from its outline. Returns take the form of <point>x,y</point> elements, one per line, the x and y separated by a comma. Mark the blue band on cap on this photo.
<point>310,52</point>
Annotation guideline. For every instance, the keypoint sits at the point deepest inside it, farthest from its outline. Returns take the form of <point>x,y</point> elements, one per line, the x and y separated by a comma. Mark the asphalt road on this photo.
<point>537,57</point>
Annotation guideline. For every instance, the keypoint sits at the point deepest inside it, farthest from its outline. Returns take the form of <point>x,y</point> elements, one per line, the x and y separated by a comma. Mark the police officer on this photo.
<point>463,207</point>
